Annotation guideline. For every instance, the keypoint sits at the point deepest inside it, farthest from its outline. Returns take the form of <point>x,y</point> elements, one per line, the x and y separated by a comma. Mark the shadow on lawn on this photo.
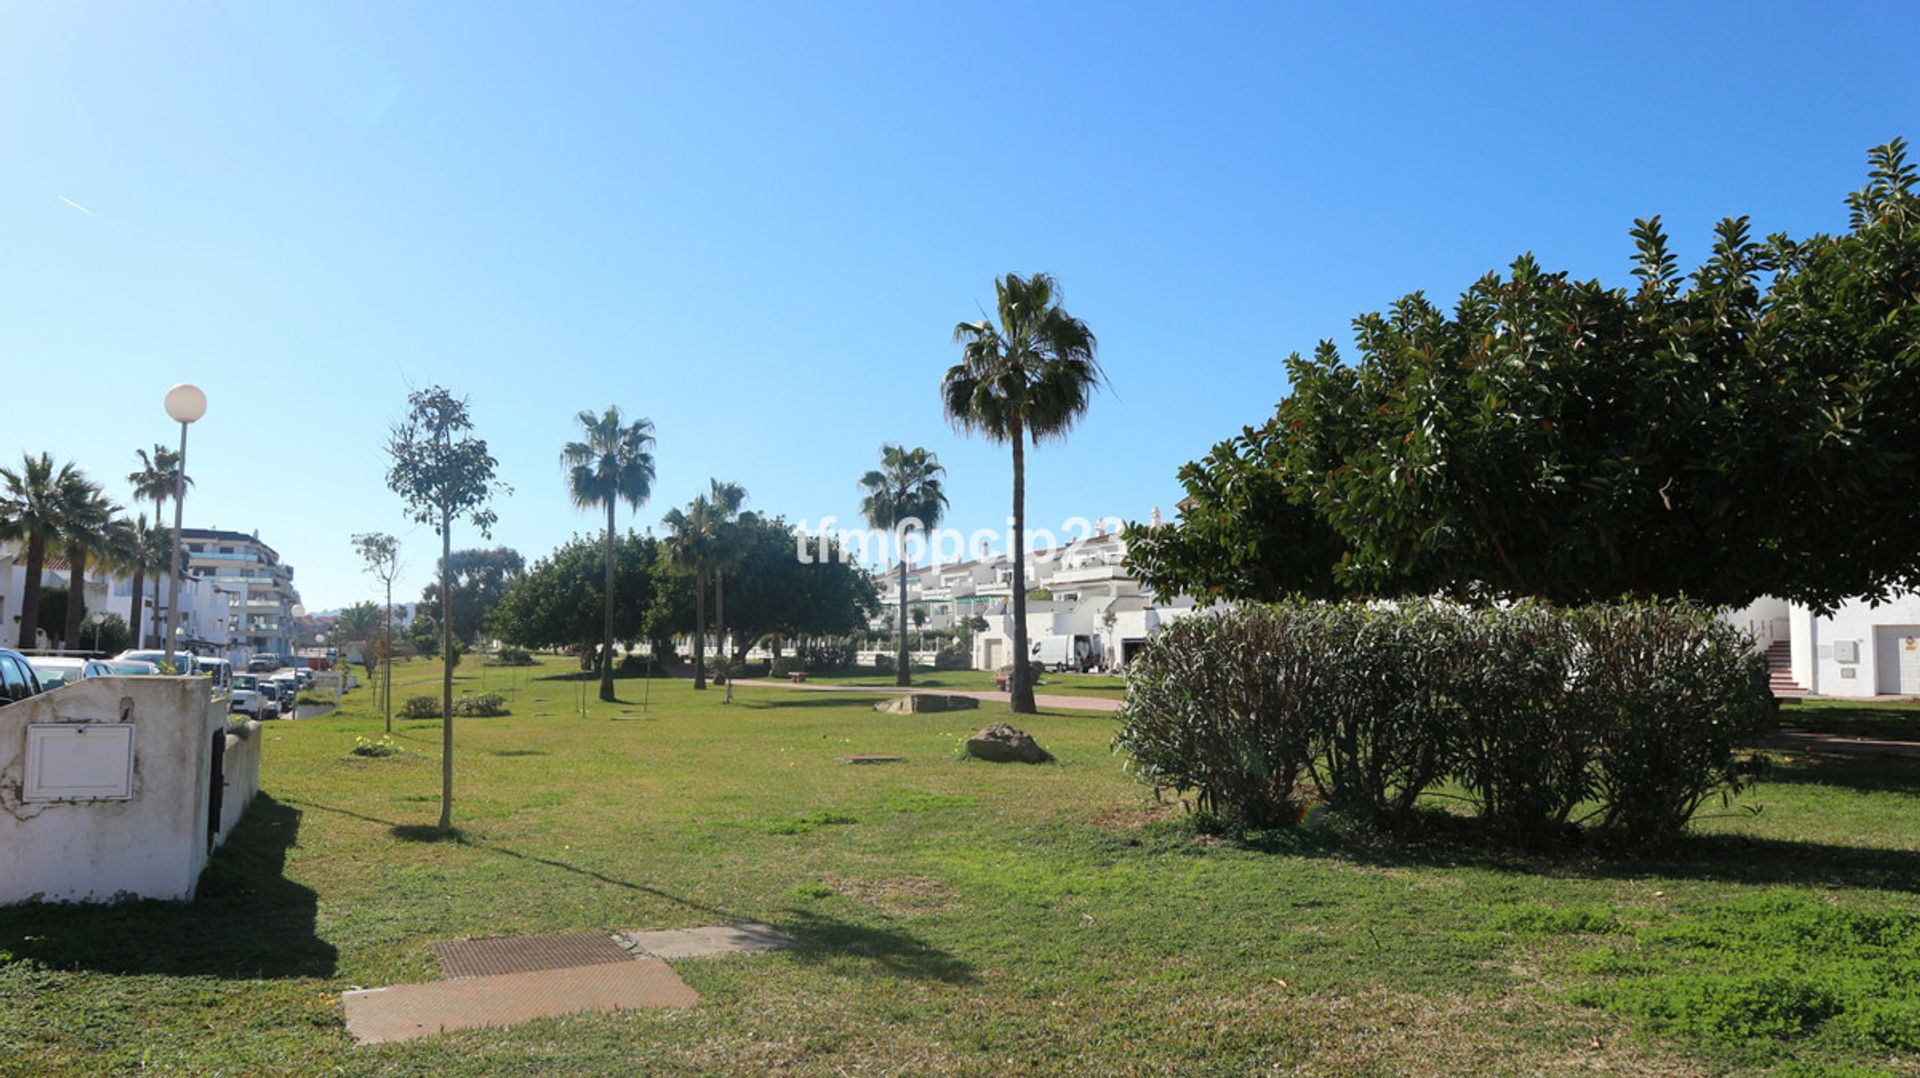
<point>420,832</point>
<point>1855,771</point>
<point>813,699</point>
<point>827,939</point>
<point>247,921</point>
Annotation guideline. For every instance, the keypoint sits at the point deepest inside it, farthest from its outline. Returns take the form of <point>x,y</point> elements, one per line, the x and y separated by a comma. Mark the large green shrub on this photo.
<point>1522,751</point>
<point>1637,708</point>
<point>420,707</point>
<point>1668,690</point>
<point>954,656</point>
<point>1217,706</point>
<point>485,705</point>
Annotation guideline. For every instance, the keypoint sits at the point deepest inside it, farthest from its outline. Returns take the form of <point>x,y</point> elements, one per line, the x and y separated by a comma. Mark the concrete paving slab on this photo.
<point>406,1011</point>
<point>525,954</point>
<point>743,938</point>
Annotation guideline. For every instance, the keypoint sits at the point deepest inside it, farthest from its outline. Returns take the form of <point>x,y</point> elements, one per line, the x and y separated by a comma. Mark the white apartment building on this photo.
<point>265,597</point>
<point>207,607</point>
<point>1861,649</point>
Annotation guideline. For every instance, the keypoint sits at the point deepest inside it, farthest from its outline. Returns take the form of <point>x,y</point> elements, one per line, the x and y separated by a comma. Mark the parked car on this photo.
<point>289,688</point>
<point>305,674</point>
<point>132,667</point>
<point>219,670</point>
<point>246,696</point>
<point>17,679</point>
<point>184,663</point>
<point>57,670</point>
<point>269,699</point>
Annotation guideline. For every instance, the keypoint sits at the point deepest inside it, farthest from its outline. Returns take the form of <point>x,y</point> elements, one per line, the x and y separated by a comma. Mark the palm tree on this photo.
<point>1030,378</point>
<point>142,550</point>
<point>723,510</point>
<point>689,549</point>
<point>903,495</point>
<point>32,511</point>
<point>613,464</point>
<point>85,534</point>
<point>156,481</point>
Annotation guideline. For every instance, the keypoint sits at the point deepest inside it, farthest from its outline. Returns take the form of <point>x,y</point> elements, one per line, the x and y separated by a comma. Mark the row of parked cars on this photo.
<point>267,691</point>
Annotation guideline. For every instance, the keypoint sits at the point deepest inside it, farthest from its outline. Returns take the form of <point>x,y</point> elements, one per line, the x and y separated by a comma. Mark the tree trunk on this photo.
<point>386,682</point>
<point>446,670</point>
<point>900,675</point>
<point>159,507</point>
<point>720,613</point>
<point>699,630</point>
<point>133,603</point>
<point>76,599</point>
<point>606,634</point>
<point>1021,698</point>
<point>30,593</point>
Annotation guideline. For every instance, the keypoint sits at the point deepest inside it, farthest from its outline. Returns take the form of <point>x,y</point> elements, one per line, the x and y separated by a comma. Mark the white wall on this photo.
<point>153,845</point>
<point>1857,622</point>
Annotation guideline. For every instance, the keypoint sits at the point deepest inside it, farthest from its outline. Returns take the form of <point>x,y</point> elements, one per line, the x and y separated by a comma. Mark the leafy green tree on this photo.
<point>441,471</point>
<point>560,601</point>
<point>33,511</point>
<point>380,555</point>
<point>107,634</point>
<point>773,593</point>
<point>156,480</point>
<point>1747,429</point>
<point>904,496</point>
<point>613,463</point>
<point>480,576</point>
<point>1028,379</point>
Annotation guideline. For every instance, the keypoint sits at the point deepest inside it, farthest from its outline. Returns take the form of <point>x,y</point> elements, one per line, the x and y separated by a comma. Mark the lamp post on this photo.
<point>185,404</point>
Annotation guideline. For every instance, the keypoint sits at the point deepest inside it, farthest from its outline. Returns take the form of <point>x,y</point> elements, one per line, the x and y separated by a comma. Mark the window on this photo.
<point>13,681</point>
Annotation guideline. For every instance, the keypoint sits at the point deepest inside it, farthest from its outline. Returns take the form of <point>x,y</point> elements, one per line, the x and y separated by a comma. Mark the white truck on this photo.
<point>1075,652</point>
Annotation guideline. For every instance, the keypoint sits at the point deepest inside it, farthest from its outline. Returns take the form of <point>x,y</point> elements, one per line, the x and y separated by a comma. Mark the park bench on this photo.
<point>796,676</point>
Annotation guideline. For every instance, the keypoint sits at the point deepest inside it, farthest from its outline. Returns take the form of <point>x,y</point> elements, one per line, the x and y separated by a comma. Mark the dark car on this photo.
<point>17,679</point>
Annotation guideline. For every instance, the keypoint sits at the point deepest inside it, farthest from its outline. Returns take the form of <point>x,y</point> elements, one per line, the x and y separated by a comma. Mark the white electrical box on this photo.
<point>79,762</point>
<point>1846,651</point>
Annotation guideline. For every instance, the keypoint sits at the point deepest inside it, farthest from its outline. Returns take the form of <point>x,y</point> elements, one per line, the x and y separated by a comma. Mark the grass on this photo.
<point>958,917</point>
<point>1895,719</point>
<point>1100,686</point>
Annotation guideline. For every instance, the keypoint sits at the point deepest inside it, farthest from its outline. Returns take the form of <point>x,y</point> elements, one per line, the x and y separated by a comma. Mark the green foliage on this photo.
<point>1758,974</point>
<point>484,705</point>
<point>1724,435</point>
<point>560,601</point>
<point>109,636</point>
<point>1536,920</point>
<point>513,657</point>
<point>1636,707</point>
<point>480,577</point>
<point>953,657</point>
<point>381,746</point>
<point>420,707</point>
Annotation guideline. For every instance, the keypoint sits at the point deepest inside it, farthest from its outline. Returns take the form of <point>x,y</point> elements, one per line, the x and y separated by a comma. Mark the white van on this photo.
<point>1074,652</point>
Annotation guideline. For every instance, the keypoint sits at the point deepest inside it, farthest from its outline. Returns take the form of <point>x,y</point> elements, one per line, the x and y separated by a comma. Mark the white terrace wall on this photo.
<point>1860,649</point>
<point>148,841</point>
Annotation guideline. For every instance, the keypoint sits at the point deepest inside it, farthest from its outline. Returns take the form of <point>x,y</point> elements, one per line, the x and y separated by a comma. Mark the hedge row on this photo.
<point>1627,713</point>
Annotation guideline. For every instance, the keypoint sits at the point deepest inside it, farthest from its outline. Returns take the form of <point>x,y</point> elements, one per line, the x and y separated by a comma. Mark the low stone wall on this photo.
<point>105,788</point>
<point>242,771</point>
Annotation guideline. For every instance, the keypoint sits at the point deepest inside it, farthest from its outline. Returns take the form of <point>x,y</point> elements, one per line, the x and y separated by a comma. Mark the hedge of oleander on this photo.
<point>1622,716</point>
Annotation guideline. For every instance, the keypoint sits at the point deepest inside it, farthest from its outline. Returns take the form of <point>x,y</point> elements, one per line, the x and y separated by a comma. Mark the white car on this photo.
<point>246,696</point>
<point>55,671</point>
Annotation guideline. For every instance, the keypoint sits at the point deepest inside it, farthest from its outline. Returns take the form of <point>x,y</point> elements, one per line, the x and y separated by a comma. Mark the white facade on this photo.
<point>206,606</point>
<point>1861,649</point>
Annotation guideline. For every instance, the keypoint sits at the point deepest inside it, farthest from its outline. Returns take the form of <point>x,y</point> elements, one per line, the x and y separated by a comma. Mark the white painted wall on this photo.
<point>153,845</point>
<point>1867,626</point>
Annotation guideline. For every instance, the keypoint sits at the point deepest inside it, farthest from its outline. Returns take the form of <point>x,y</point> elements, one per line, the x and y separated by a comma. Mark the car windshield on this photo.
<point>131,668</point>
<point>57,672</point>
<point>245,681</point>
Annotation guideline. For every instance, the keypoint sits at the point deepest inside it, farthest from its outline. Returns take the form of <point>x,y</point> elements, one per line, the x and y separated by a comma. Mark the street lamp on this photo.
<point>185,404</point>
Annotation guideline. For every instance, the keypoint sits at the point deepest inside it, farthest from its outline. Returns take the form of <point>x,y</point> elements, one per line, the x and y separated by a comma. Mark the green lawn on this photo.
<point>963,917</point>
<point>1897,719</point>
<point>1096,685</point>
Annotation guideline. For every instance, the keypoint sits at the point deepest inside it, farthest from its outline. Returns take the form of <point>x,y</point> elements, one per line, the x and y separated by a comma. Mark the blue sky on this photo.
<point>757,224</point>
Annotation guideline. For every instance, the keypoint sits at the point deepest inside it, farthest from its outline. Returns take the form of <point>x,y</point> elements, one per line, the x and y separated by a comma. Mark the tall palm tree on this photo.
<point>723,511</point>
<point>156,480</point>
<point>689,549</point>
<point>1029,378</point>
<point>613,464</point>
<point>32,511</point>
<point>904,494</point>
<point>142,550</point>
<point>85,535</point>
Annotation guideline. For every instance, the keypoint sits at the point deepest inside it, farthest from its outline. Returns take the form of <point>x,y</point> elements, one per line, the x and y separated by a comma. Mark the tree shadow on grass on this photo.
<point>247,919</point>
<point>1854,771</point>
<point>812,699</point>
<point>826,940</point>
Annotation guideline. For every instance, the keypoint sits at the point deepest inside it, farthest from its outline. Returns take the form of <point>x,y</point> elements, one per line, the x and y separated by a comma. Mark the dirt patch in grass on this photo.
<point>898,896</point>
<point>1134,817</point>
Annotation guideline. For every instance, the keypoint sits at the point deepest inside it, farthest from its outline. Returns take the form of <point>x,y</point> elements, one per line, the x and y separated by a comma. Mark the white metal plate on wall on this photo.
<point>79,762</point>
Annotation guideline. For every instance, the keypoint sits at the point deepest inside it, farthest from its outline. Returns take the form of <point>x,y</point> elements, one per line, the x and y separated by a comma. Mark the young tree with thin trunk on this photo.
<point>612,464</point>
<point>1026,380</point>
<point>380,555</point>
<point>903,495</point>
<point>441,471</point>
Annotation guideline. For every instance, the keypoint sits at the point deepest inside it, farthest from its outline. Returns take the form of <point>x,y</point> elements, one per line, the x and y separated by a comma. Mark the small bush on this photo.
<point>633,665</point>
<point>824,655</point>
<point>485,705</point>
<point>786,664</point>
<point>381,746</point>
<point>883,663</point>
<point>953,657</point>
<point>420,707</point>
<point>513,657</point>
